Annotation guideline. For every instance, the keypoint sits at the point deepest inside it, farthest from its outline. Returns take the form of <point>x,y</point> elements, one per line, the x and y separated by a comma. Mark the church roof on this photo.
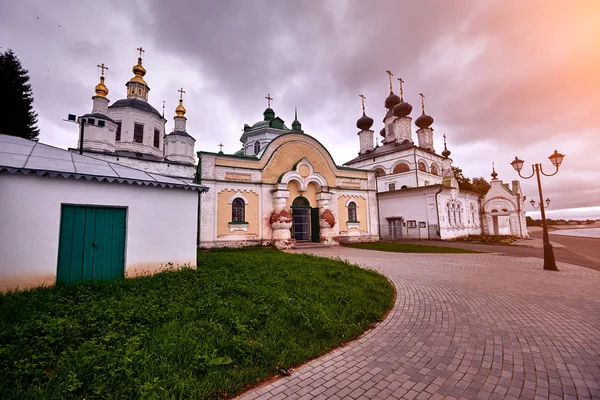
<point>30,157</point>
<point>135,103</point>
<point>100,116</point>
<point>181,133</point>
<point>386,148</point>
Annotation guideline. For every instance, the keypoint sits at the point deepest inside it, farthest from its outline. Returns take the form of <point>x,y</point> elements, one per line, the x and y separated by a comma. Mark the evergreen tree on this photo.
<point>17,116</point>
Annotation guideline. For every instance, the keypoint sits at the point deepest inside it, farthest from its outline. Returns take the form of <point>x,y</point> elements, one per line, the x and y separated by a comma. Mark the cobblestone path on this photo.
<point>473,326</point>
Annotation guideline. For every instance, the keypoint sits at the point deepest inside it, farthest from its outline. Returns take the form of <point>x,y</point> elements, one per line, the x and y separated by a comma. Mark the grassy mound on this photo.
<point>240,317</point>
<point>400,247</point>
<point>488,239</point>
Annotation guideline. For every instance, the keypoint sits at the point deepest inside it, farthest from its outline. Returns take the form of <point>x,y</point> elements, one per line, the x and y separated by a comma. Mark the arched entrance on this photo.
<point>305,221</point>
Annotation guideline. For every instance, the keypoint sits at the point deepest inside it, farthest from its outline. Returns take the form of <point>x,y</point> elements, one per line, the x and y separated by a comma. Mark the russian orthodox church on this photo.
<point>283,187</point>
<point>133,133</point>
<point>417,192</point>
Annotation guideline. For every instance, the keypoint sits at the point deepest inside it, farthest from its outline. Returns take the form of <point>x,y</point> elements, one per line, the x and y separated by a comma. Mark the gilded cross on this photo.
<point>102,67</point>
<point>423,104</point>
<point>401,92</point>
<point>390,76</point>
<point>181,92</point>
<point>140,50</point>
<point>221,147</point>
<point>362,99</point>
<point>269,98</point>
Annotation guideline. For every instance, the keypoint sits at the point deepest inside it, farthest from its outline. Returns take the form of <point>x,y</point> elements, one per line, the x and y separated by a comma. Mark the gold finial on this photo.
<point>401,92</point>
<point>101,89</point>
<point>269,98</point>
<point>362,99</point>
<point>423,105</point>
<point>390,76</point>
<point>138,70</point>
<point>180,109</point>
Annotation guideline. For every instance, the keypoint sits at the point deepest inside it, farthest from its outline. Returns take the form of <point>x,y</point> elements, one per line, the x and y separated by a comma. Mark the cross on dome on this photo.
<point>269,98</point>
<point>362,99</point>
<point>423,105</point>
<point>102,67</point>
<point>401,82</point>
<point>220,147</point>
<point>181,92</point>
<point>140,51</point>
<point>390,76</point>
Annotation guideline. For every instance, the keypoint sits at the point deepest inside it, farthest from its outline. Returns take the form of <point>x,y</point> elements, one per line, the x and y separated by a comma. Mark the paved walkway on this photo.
<point>474,326</point>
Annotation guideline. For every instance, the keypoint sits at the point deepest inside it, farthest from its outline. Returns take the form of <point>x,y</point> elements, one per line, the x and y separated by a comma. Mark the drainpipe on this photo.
<point>437,210</point>
<point>198,180</point>
<point>378,220</point>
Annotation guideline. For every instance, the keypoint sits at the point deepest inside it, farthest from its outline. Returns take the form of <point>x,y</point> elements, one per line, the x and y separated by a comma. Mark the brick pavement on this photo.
<point>476,326</point>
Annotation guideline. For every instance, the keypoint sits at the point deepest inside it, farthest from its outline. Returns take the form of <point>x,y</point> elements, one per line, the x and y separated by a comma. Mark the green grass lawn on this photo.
<point>239,318</point>
<point>400,247</point>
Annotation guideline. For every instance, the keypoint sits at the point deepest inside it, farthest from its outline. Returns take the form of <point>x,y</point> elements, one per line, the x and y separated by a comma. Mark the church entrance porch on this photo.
<point>305,221</point>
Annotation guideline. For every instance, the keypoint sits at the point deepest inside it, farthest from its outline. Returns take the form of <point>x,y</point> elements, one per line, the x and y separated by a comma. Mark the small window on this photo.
<point>352,212</point>
<point>422,166</point>
<point>379,172</point>
<point>118,133</point>
<point>156,138</point>
<point>256,147</point>
<point>411,224</point>
<point>238,210</point>
<point>392,186</point>
<point>138,133</point>
<point>434,170</point>
<point>91,121</point>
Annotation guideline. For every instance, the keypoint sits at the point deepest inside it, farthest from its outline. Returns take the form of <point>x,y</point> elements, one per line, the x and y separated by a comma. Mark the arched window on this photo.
<point>379,172</point>
<point>453,214</point>
<point>238,210</point>
<point>434,170</point>
<point>472,207</point>
<point>422,166</point>
<point>402,167</point>
<point>300,201</point>
<point>256,147</point>
<point>352,212</point>
<point>449,213</point>
<point>459,211</point>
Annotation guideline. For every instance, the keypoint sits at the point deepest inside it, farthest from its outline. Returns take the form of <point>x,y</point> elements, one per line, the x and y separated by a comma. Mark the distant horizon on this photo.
<point>579,213</point>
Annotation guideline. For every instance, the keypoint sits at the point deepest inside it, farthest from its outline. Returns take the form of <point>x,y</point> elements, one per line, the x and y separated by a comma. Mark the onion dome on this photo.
<point>424,121</point>
<point>139,71</point>
<point>269,114</point>
<point>101,89</point>
<point>296,125</point>
<point>364,123</point>
<point>392,100</point>
<point>180,109</point>
<point>494,173</point>
<point>382,132</point>
<point>446,153</point>
<point>402,109</point>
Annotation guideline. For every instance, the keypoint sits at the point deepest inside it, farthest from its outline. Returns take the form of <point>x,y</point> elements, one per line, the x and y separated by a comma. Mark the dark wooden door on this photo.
<point>315,227</point>
<point>301,217</point>
<point>91,244</point>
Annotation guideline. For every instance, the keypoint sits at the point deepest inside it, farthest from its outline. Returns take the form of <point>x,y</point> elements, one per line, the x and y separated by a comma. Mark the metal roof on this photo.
<point>27,156</point>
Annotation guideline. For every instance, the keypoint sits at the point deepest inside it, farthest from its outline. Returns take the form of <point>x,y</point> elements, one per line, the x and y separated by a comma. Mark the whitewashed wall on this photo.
<point>161,224</point>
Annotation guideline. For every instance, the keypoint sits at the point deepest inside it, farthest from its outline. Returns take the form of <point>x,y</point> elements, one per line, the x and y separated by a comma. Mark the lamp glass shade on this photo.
<point>556,158</point>
<point>517,164</point>
<point>547,202</point>
<point>532,202</point>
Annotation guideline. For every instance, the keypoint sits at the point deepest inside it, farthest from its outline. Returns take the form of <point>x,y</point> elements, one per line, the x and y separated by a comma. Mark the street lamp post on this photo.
<point>556,159</point>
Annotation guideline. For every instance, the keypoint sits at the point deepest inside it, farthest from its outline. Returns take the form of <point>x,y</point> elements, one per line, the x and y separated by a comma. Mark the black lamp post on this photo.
<point>556,159</point>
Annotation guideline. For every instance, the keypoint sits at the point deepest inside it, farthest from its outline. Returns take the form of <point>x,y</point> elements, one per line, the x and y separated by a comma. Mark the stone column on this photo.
<point>326,218</point>
<point>281,219</point>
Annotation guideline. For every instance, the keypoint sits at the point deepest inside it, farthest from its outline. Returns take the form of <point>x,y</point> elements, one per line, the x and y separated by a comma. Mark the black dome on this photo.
<point>402,109</point>
<point>424,121</point>
<point>382,132</point>
<point>391,101</point>
<point>446,152</point>
<point>364,123</point>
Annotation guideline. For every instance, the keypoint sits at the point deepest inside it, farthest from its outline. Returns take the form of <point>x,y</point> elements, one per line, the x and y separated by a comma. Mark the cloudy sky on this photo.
<point>501,78</point>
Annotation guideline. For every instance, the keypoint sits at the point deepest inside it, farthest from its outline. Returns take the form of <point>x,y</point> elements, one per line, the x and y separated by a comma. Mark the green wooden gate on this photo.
<point>315,227</point>
<point>91,245</point>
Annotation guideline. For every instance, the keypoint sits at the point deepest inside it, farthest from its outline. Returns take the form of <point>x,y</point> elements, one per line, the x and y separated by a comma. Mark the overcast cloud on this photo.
<point>501,78</point>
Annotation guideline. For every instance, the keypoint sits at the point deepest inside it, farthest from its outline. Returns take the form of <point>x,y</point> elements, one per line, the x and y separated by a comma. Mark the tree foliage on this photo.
<point>478,185</point>
<point>17,116</point>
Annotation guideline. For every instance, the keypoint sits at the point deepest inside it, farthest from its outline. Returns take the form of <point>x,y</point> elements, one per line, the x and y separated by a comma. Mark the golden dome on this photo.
<point>180,109</point>
<point>139,72</point>
<point>101,89</point>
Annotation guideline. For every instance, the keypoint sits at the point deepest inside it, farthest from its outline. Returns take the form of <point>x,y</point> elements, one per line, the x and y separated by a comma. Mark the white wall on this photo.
<point>161,224</point>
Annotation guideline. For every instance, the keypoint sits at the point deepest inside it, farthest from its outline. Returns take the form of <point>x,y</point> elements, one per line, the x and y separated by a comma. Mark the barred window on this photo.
<point>118,133</point>
<point>256,147</point>
<point>138,133</point>
<point>238,210</point>
<point>156,138</point>
<point>352,212</point>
